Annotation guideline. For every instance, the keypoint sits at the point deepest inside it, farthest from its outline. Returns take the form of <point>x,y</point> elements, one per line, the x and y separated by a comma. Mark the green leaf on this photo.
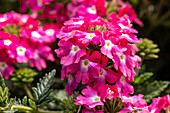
<point>151,89</point>
<point>32,104</point>
<point>2,83</point>
<point>24,101</point>
<point>42,91</point>
<point>143,77</point>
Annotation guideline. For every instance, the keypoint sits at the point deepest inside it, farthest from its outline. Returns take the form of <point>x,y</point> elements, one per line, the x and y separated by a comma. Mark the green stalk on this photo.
<point>46,111</point>
<point>20,107</point>
<point>28,92</point>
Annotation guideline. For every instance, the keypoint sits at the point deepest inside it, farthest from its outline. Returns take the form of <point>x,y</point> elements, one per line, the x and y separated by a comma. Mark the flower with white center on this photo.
<point>35,34</point>
<point>74,49</point>
<point>85,63</point>
<point>95,98</point>
<point>79,22</point>
<point>122,58</point>
<point>3,65</point>
<point>49,32</point>
<point>7,42</point>
<point>24,19</point>
<point>92,10</point>
<point>21,51</point>
<point>3,19</point>
<point>90,35</point>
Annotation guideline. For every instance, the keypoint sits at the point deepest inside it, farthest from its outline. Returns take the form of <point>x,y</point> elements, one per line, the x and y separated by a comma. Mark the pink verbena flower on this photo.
<point>107,92</point>
<point>71,84</point>
<point>69,53</point>
<point>134,103</point>
<point>87,68</point>
<point>123,85</point>
<point>5,64</point>
<point>104,74</point>
<point>90,99</point>
<point>126,10</point>
<point>41,53</point>
<point>56,11</point>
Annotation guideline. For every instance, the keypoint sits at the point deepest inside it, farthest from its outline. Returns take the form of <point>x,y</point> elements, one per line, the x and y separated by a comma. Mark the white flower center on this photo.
<point>24,19</point>
<point>92,10</point>
<point>79,22</point>
<point>7,42</point>
<point>122,58</point>
<point>21,50</point>
<point>3,65</point>
<point>35,34</point>
<point>85,63</point>
<point>3,19</point>
<point>108,44</point>
<point>74,49</point>
<point>90,35</point>
<point>96,98</point>
<point>49,32</point>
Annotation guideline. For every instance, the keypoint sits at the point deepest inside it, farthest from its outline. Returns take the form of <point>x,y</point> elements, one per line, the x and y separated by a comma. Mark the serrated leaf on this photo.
<point>32,104</point>
<point>24,101</point>
<point>151,89</point>
<point>143,77</point>
<point>42,91</point>
<point>2,83</point>
<point>5,91</point>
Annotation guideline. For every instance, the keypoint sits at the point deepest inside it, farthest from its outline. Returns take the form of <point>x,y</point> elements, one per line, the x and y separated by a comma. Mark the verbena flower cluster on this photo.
<point>96,49</point>
<point>23,40</point>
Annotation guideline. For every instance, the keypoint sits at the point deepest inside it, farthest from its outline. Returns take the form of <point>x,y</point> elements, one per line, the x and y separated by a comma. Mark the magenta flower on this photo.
<point>90,99</point>
<point>88,68</point>
<point>6,70</point>
<point>126,9</point>
<point>69,53</point>
<point>21,52</point>
<point>40,55</point>
<point>56,11</point>
<point>109,48</point>
<point>107,92</point>
<point>105,75</point>
<point>5,65</point>
<point>71,84</point>
<point>124,86</point>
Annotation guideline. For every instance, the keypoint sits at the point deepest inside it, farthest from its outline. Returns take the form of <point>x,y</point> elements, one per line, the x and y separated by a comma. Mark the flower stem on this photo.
<point>21,107</point>
<point>28,92</point>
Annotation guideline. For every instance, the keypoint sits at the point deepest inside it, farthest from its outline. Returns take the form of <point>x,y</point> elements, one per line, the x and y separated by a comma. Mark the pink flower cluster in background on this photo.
<point>23,40</point>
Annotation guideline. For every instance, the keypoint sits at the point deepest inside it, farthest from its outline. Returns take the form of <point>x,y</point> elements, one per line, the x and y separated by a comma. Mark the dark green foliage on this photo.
<point>143,77</point>
<point>5,101</point>
<point>149,89</point>
<point>68,104</point>
<point>42,91</point>
<point>2,83</point>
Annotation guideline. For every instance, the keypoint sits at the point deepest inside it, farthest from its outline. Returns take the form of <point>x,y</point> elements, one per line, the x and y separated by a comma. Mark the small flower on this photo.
<point>90,99</point>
